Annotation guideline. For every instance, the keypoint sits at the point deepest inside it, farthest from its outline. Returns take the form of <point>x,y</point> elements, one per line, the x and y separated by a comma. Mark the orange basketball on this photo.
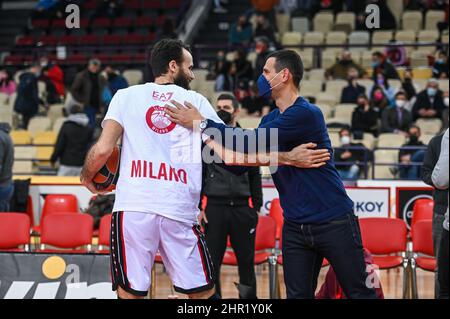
<point>107,176</point>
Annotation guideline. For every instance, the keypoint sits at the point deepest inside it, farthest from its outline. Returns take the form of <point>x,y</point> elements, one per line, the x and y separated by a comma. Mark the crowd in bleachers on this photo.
<point>374,83</point>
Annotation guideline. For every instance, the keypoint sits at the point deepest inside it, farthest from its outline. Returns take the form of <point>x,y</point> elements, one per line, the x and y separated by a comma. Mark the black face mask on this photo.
<point>413,139</point>
<point>181,80</point>
<point>225,116</point>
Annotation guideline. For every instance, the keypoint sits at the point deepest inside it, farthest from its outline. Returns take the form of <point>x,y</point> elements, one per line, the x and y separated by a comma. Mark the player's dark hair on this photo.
<point>290,60</point>
<point>227,96</point>
<point>165,51</point>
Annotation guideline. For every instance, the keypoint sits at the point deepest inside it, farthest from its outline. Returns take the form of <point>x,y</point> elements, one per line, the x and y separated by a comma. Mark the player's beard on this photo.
<point>182,80</point>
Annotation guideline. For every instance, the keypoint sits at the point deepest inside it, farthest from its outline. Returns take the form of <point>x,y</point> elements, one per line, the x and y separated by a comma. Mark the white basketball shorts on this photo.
<point>137,237</point>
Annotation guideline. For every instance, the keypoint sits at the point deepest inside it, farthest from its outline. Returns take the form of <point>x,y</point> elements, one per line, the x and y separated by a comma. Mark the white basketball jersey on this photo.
<point>160,164</point>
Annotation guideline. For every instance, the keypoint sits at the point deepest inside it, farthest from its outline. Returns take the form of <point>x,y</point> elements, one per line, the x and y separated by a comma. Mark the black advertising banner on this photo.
<point>50,276</point>
<point>406,197</point>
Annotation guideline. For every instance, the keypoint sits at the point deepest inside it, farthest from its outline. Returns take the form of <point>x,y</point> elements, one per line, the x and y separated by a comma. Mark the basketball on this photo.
<point>107,176</point>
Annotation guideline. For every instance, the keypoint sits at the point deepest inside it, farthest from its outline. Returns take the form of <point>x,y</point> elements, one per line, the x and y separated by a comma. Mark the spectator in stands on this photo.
<point>218,6</point>
<point>266,7</point>
<point>262,51</point>
<point>381,82</point>
<point>88,88</point>
<point>228,213</point>
<point>348,153</point>
<point>396,119</point>
<point>115,80</point>
<point>396,54</point>
<point>241,32</point>
<point>244,69</point>
<point>429,102</point>
<point>167,31</point>
<point>27,101</point>
<point>44,9</point>
<point>445,111</point>
<point>351,92</point>
<point>7,84</point>
<point>440,67</point>
<point>218,63</point>
<point>339,70</point>
<point>255,105</point>
<point>378,100</point>
<point>264,29</point>
<point>440,196</point>
<point>410,156</point>
<point>73,142</point>
<point>109,8</point>
<point>408,85</point>
<point>387,18</point>
<point>225,78</point>
<point>381,64</point>
<point>6,167</point>
<point>364,117</point>
<point>53,76</point>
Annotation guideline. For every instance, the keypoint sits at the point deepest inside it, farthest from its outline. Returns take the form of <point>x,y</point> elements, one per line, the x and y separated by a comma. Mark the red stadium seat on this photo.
<point>67,231</point>
<point>14,231</point>
<point>56,204</point>
<point>112,39</point>
<point>123,22</point>
<point>423,256</point>
<point>77,58</point>
<point>264,241</point>
<point>276,212</point>
<point>48,40</point>
<point>384,236</point>
<point>151,5</point>
<point>144,21</point>
<point>104,233</point>
<point>90,4</point>
<point>25,40</point>
<point>13,59</point>
<point>68,40</point>
<point>134,4</point>
<point>41,23</point>
<point>89,39</point>
<point>30,210</point>
<point>423,209</point>
<point>140,57</point>
<point>172,4</point>
<point>101,23</point>
<point>132,39</point>
<point>160,20</point>
<point>59,23</point>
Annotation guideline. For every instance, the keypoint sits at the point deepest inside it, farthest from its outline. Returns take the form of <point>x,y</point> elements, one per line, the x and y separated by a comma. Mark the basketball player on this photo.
<point>319,221</point>
<point>159,187</point>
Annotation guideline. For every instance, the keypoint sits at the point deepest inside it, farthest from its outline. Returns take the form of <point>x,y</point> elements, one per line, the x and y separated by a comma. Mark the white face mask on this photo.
<point>446,100</point>
<point>345,140</point>
<point>400,103</point>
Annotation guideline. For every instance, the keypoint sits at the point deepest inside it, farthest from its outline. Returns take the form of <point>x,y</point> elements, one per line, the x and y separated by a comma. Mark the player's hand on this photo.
<point>185,115</point>
<point>202,218</point>
<point>89,184</point>
<point>306,156</point>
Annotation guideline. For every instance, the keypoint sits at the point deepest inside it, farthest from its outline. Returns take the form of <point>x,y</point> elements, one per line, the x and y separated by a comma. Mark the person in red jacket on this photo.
<point>55,74</point>
<point>332,290</point>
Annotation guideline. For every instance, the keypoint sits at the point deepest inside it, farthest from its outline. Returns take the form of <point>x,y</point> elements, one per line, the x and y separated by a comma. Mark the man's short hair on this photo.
<point>95,62</point>
<point>401,93</point>
<point>290,60</point>
<point>165,51</point>
<point>76,108</point>
<point>378,54</point>
<point>227,96</point>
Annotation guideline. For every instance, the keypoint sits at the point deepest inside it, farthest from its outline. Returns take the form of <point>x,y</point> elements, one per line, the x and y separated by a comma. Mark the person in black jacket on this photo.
<point>73,142</point>
<point>228,213</point>
<point>412,152</point>
<point>351,92</point>
<point>440,197</point>
<point>349,156</point>
<point>430,102</point>
<point>396,119</point>
<point>364,117</point>
<point>6,167</point>
<point>27,101</point>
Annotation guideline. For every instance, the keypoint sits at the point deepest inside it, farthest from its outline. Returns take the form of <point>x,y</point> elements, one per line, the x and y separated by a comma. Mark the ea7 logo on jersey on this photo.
<point>163,97</point>
<point>158,121</point>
